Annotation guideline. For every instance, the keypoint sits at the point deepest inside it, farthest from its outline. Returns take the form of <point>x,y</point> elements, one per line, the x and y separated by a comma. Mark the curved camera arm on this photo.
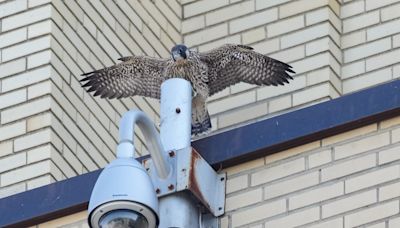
<point>126,146</point>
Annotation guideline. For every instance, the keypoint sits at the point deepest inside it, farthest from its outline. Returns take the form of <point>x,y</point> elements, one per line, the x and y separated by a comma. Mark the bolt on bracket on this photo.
<point>162,186</point>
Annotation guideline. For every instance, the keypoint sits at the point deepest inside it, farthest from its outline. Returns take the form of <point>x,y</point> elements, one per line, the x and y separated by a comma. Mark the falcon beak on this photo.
<point>176,55</point>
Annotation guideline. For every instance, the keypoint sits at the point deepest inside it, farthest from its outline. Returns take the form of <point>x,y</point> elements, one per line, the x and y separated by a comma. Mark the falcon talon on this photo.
<point>208,72</point>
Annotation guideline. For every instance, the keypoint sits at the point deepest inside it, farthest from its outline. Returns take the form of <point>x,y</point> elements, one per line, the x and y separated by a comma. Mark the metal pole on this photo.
<point>178,209</point>
<point>176,114</point>
<point>126,147</point>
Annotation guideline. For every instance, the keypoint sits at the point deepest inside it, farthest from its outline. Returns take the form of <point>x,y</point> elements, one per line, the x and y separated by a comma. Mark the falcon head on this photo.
<point>179,52</point>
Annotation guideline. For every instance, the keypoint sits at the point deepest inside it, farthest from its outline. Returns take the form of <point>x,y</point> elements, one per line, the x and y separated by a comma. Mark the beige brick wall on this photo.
<point>346,180</point>
<point>370,52</point>
<point>313,185</point>
<point>77,220</point>
<point>51,129</point>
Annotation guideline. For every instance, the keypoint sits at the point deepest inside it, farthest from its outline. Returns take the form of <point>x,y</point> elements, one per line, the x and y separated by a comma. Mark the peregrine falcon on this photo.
<point>208,72</point>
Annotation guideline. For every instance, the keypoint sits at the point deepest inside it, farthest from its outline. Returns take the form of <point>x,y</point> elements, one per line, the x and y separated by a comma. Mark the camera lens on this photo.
<point>123,219</point>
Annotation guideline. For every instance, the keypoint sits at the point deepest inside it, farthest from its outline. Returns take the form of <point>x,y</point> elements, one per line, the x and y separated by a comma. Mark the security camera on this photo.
<point>123,196</point>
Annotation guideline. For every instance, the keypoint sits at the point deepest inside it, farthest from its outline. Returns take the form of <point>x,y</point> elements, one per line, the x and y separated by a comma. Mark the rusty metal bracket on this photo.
<point>197,176</point>
<point>190,172</point>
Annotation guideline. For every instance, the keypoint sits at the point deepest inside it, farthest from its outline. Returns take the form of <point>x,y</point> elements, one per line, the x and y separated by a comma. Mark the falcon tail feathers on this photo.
<point>201,122</point>
<point>201,127</point>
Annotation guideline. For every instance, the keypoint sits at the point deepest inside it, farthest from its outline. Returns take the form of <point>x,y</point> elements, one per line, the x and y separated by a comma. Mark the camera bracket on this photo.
<point>190,172</point>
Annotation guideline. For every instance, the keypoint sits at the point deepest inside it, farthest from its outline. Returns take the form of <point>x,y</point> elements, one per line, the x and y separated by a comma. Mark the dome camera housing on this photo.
<point>123,196</point>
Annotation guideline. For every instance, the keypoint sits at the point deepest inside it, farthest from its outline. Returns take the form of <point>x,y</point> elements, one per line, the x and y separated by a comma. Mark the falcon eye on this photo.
<point>182,53</point>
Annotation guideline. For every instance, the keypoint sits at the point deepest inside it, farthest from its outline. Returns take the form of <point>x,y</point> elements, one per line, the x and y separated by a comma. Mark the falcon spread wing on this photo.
<point>231,64</point>
<point>208,72</point>
<point>136,75</point>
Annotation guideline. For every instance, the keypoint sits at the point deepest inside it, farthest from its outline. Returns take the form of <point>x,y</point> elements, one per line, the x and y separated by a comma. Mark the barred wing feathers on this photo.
<point>136,75</point>
<point>231,64</point>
